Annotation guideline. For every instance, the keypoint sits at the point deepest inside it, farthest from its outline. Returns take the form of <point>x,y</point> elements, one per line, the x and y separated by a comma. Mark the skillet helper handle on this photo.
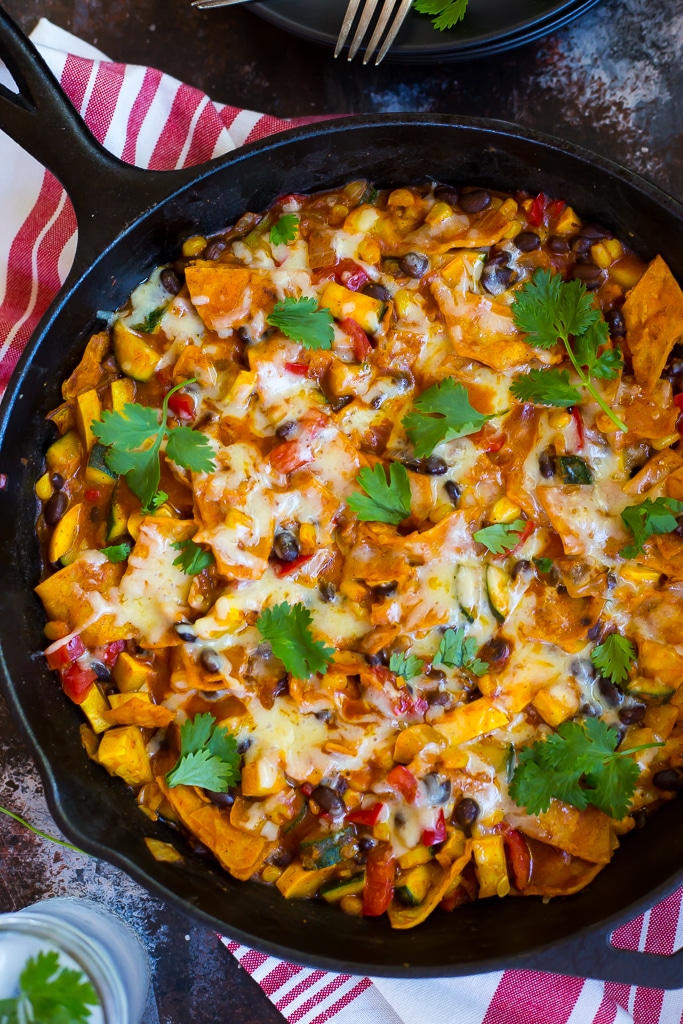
<point>106,193</point>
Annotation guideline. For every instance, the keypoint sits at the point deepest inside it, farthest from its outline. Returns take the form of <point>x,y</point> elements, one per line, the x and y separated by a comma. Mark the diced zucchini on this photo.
<point>343,303</point>
<point>498,591</point>
<point>134,355</point>
<point>574,470</point>
<point>117,524</point>
<point>88,410</point>
<point>418,855</point>
<point>63,546</point>
<point>337,888</point>
<point>323,851</point>
<point>64,456</point>
<point>122,393</point>
<point>296,883</point>
<point>413,887</point>
<point>491,866</point>
<point>469,589</point>
<point>650,689</point>
<point>98,473</point>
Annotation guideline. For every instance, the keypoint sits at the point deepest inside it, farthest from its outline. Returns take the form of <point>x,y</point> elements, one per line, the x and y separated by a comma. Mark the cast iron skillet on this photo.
<point>131,220</point>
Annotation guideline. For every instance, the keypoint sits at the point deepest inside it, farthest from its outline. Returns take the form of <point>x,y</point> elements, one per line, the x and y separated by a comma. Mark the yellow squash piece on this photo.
<point>136,357</point>
<point>164,852</point>
<point>295,883</point>
<point>491,866</point>
<point>64,456</point>
<point>441,883</point>
<point>471,720</point>
<point>122,751</point>
<point>64,542</point>
<point>122,393</point>
<point>343,303</point>
<point>88,410</point>
<point>95,707</point>
<point>130,674</point>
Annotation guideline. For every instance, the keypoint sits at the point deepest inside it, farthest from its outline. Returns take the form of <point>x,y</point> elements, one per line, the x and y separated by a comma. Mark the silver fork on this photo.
<point>366,17</point>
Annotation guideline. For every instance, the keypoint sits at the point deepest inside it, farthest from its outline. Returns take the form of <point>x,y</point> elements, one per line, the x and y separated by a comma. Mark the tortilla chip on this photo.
<point>458,230</point>
<point>560,619</point>
<point>653,313</point>
<point>587,834</point>
<point>227,296</point>
<point>89,371</point>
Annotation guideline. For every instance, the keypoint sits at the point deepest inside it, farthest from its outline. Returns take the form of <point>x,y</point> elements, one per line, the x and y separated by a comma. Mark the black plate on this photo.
<point>489,27</point>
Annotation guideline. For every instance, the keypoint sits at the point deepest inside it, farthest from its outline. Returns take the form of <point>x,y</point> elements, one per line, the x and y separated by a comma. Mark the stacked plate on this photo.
<point>489,27</point>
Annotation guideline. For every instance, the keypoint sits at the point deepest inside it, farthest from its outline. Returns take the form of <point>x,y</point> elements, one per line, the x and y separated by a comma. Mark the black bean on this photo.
<point>475,201</point>
<point>328,800</point>
<point>497,277</point>
<point>414,264</point>
<point>283,858</point>
<point>57,481</point>
<point>209,660</point>
<point>561,589</point>
<point>617,324</point>
<point>588,274</point>
<point>379,658</point>
<point>285,429</point>
<point>558,245</point>
<point>221,799</point>
<point>610,693</point>
<point>337,404</point>
<point>439,699</point>
<point>523,565</point>
<point>324,716</point>
<point>366,843</point>
<point>55,508</point>
<point>675,369</point>
<point>582,668</point>
<point>670,780</point>
<point>453,491</point>
<point>285,546</point>
<point>595,632</point>
<point>340,784</point>
<point>433,466</point>
<point>170,281</point>
<point>447,194</point>
<point>527,241</point>
<point>640,817</point>
<point>213,250</point>
<point>101,671</point>
<point>580,245</point>
<point>382,590</point>
<point>611,580</point>
<point>467,812</point>
<point>438,789</point>
<point>436,674</point>
<point>547,465</point>
<point>327,591</point>
<point>243,745</point>
<point>244,335</point>
<point>186,632</point>
<point>281,686</point>
<point>95,514</point>
<point>376,291</point>
<point>590,710</point>
<point>496,651</point>
<point>473,694</point>
<point>595,232</point>
<point>631,715</point>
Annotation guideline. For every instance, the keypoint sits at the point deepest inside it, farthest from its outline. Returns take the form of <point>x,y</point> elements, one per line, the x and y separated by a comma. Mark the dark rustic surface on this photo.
<point>612,81</point>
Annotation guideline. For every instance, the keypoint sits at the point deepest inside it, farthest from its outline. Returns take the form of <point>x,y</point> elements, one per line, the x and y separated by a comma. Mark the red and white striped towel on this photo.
<point>155,121</point>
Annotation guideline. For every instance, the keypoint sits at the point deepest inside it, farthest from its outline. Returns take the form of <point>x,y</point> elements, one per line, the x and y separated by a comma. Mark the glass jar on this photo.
<point>87,937</point>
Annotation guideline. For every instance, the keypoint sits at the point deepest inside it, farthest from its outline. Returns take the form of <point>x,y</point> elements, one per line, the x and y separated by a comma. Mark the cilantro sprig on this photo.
<point>50,994</point>
<point>117,552</point>
<point>386,501</point>
<point>445,13</point>
<point>303,321</point>
<point>647,519</point>
<point>500,538</point>
<point>405,665</point>
<point>614,657</point>
<point>192,558</point>
<point>442,413</point>
<point>151,321</point>
<point>285,229</point>
<point>459,651</point>
<point>134,438</point>
<point>287,630</point>
<point>550,310</point>
<point>579,764</point>
<point>208,756</point>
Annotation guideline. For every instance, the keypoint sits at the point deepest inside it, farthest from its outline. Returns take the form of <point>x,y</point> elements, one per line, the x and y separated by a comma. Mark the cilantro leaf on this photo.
<point>458,651</point>
<point>446,13</point>
<point>647,519</point>
<point>579,764</point>
<point>543,564</point>
<point>192,558</point>
<point>407,666</point>
<point>285,230</point>
<point>303,321</point>
<point>190,449</point>
<point>501,537</point>
<point>129,429</point>
<point>442,413</point>
<point>287,629</point>
<point>551,311</point>
<point>117,552</point>
<point>208,756</point>
<point>151,321</point>
<point>614,657</point>
<point>546,387</point>
<point>50,994</point>
<point>386,502</point>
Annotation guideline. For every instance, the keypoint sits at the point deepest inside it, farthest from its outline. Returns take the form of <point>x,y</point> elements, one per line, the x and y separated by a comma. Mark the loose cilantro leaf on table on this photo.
<point>442,413</point>
<point>192,558</point>
<point>647,519</point>
<point>285,230</point>
<point>49,994</point>
<point>614,657</point>
<point>134,438</point>
<point>208,756</point>
<point>501,537</point>
<point>446,13</point>
<point>407,666</point>
<point>458,651</point>
<point>117,552</point>
<point>579,765</point>
<point>386,501</point>
<point>287,629</point>
<point>550,310</point>
<point>302,321</point>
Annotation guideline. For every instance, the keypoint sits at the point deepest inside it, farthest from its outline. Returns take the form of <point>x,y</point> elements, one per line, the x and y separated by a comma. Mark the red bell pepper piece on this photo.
<point>365,815</point>
<point>288,457</point>
<point>488,440</point>
<point>404,781</point>
<point>300,369</point>
<point>361,343</point>
<point>345,272</point>
<point>555,208</point>
<point>380,873</point>
<point>76,682</point>
<point>66,653</point>
<point>111,652</point>
<point>92,494</point>
<point>678,401</point>
<point>181,405</point>
<point>519,855</point>
<point>306,788</point>
<point>535,215</point>
<point>524,535</point>
<point>409,705</point>
<point>285,568</point>
<point>430,836</point>
<point>578,422</point>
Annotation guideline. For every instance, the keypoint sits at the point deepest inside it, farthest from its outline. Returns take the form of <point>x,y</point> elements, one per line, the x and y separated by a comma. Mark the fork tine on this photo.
<point>346,26</point>
<point>365,18</point>
<point>393,31</point>
<point>382,21</point>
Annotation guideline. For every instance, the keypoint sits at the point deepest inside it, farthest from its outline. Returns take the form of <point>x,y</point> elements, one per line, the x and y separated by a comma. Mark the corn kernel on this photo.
<point>509,208</point>
<point>639,574</point>
<point>403,300</point>
<point>504,511</point>
<point>44,487</point>
<point>271,873</point>
<point>439,213</point>
<point>601,255</point>
<point>626,272</point>
<point>55,630</point>
<point>559,419</point>
<point>363,218</point>
<point>307,538</point>
<point>352,905</point>
<point>514,229</point>
<point>369,251</point>
<point>665,442</point>
<point>382,831</point>
<point>614,247</point>
<point>401,197</point>
<point>193,246</point>
<point>605,423</point>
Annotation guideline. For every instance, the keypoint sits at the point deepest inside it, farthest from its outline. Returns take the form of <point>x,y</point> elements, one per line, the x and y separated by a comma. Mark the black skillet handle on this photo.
<point>107,194</point>
<point>594,956</point>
